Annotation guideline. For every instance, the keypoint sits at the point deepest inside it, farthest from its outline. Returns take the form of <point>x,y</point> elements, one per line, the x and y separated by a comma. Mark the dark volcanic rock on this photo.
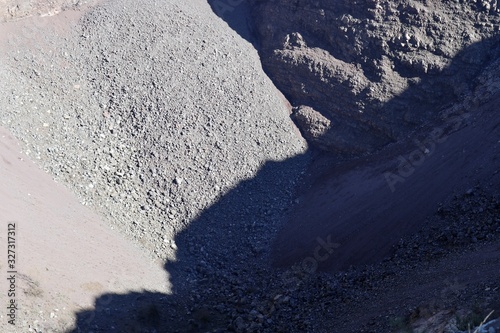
<point>376,70</point>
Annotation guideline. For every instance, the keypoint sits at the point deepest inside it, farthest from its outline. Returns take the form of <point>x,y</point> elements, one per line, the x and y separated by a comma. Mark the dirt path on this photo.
<point>65,255</point>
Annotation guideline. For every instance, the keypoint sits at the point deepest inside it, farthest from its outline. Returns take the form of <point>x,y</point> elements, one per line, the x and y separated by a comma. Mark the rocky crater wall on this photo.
<point>362,74</point>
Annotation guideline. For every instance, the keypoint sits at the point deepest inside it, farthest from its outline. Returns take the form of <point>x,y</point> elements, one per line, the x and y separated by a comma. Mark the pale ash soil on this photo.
<point>12,10</point>
<point>66,255</point>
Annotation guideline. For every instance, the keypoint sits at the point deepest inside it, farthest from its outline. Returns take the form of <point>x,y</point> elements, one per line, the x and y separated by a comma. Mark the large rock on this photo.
<point>377,69</point>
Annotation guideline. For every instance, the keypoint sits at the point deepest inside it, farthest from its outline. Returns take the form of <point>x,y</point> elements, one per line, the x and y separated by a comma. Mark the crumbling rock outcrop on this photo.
<point>375,69</point>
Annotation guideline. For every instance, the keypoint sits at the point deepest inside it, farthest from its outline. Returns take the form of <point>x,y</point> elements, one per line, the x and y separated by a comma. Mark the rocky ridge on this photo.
<point>371,72</point>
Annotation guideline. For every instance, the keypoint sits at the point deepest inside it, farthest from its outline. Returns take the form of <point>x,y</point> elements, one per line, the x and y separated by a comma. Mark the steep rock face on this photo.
<point>377,70</point>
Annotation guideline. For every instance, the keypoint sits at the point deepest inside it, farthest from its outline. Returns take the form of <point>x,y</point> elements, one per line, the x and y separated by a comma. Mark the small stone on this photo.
<point>239,323</point>
<point>178,181</point>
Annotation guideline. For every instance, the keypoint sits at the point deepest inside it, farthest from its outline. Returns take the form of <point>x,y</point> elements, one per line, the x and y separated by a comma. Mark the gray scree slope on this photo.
<point>149,111</point>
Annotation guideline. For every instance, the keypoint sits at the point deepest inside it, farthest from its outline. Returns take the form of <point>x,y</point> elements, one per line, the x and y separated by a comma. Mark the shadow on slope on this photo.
<point>219,255</point>
<point>369,203</point>
<point>222,256</point>
<point>237,14</point>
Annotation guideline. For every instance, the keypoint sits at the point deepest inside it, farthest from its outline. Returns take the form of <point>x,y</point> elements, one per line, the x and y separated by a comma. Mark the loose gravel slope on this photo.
<point>149,110</point>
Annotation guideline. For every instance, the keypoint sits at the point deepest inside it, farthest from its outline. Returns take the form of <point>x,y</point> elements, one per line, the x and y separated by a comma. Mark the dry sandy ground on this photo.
<point>12,10</point>
<point>65,255</point>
